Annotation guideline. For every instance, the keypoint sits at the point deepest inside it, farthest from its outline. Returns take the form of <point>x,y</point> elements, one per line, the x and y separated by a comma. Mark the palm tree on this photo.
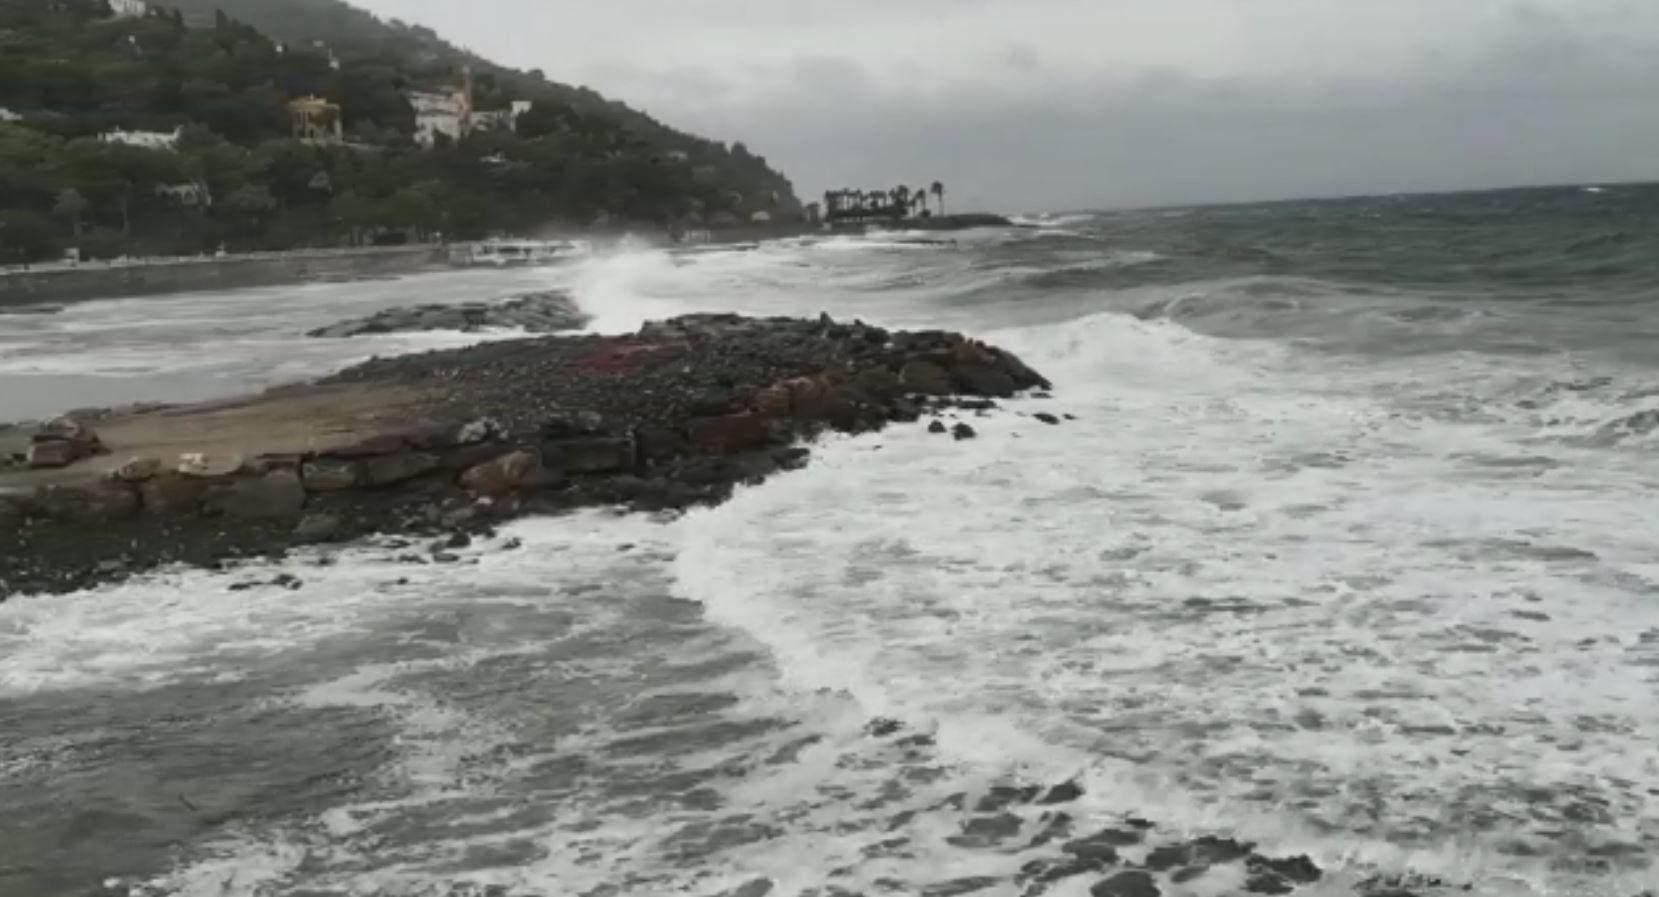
<point>901,200</point>
<point>939,194</point>
<point>829,202</point>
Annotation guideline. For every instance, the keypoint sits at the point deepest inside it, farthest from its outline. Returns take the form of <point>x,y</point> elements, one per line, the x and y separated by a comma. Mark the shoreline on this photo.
<point>452,442</point>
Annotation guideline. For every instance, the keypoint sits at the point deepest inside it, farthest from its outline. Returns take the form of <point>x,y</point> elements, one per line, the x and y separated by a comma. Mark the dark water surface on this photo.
<point>1349,551</point>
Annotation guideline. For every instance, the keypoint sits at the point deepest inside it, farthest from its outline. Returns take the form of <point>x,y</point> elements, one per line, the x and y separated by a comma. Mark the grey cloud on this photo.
<point>1072,103</point>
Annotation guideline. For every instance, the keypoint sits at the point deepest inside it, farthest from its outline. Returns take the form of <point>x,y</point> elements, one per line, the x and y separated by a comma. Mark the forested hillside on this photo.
<point>70,71</point>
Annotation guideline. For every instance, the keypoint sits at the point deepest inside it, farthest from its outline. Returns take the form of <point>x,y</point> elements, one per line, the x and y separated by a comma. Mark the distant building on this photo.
<point>814,213</point>
<point>446,112</point>
<point>191,194</point>
<point>316,120</point>
<point>8,115</point>
<point>156,140</point>
<point>129,9</point>
<point>761,217</point>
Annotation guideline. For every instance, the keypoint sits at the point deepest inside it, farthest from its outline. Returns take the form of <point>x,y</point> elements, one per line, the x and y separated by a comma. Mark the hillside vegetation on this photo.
<point>222,72</point>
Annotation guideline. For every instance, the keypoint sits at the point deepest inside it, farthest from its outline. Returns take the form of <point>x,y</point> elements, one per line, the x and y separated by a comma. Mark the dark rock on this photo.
<point>712,403</point>
<point>389,470</point>
<point>1063,793</point>
<point>172,494</point>
<point>1047,418</point>
<point>1189,873</point>
<point>1111,837</point>
<point>288,581</point>
<point>1054,827</point>
<point>878,383</point>
<point>95,504</point>
<point>318,528</point>
<point>963,431</point>
<point>926,378</point>
<point>275,495</point>
<point>457,540</point>
<point>729,434</point>
<point>1132,883</point>
<point>466,457</point>
<point>62,442</point>
<point>330,474</point>
<point>983,380</point>
<point>444,557</point>
<point>658,443</point>
<point>902,410</point>
<point>1299,869</point>
<point>1137,822</point>
<point>938,426</point>
<point>1163,859</point>
<point>601,454</point>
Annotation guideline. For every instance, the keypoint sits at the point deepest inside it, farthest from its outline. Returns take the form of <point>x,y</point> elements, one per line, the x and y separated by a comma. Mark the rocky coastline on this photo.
<point>444,444</point>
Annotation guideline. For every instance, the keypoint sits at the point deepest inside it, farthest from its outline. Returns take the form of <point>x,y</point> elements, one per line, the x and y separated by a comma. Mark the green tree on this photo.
<point>26,237</point>
<point>72,205</point>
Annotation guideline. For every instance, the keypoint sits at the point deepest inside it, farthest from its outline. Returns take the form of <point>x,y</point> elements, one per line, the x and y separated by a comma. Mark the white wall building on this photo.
<point>449,114</point>
<point>156,140</point>
<point>129,9</point>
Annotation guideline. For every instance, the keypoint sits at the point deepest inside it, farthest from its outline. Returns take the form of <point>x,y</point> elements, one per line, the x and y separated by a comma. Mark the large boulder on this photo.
<point>62,442</point>
<point>14,512</point>
<point>508,474</point>
<point>274,495</point>
<point>925,377</point>
<point>172,494</point>
<point>389,470</point>
<point>593,454</point>
<point>330,474</point>
<point>728,434</point>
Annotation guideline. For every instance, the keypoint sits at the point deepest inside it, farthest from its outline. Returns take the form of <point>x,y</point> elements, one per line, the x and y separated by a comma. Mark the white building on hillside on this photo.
<point>156,140</point>
<point>448,113</point>
<point>505,119</point>
<point>129,9</point>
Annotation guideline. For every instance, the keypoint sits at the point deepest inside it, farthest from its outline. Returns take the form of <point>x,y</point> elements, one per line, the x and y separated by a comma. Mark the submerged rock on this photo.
<point>545,312</point>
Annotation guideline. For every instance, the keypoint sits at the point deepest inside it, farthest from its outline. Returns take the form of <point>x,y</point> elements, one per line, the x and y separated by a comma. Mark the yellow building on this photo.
<point>315,120</point>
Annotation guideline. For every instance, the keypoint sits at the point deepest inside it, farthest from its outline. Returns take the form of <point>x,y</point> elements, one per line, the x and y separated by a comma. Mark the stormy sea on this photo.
<point>1351,552</point>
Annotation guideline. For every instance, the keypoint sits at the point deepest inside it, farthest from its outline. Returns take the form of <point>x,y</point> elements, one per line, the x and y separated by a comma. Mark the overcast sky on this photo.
<point>1025,105</point>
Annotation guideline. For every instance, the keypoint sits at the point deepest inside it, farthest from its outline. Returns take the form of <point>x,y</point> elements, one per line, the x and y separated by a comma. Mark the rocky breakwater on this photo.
<point>544,312</point>
<point>673,416</point>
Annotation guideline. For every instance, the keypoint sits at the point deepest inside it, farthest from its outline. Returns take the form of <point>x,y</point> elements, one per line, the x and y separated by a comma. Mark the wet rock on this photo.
<point>389,470</point>
<point>1110,837</point>
<point>506,474</point>
<point>457,540</point>
<point>1132,883</point>
<point>902,410</point>
<point>729,434</point>
<point>275,495</point>
<point>330,474</point>
<point>62,442</point>
<point>963,431</point>
<point>473,432</point>
<point>592,455</point>
<point>1063,793</point>
<point>172,494</point>
<point>137,470</point>
<point>926,378</point>
<point>1163,859</point>
<point>758,887</point>
<point>938,426</point>
<point>573,425</point>
<point>317,528</point>
<point>98,503</point>
<point>1054,826</point>
<point>1189,873</point>
<point>879,383</point>
<point>1214,851</point>
<point>1047,418</point>
<point>444,557</point>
